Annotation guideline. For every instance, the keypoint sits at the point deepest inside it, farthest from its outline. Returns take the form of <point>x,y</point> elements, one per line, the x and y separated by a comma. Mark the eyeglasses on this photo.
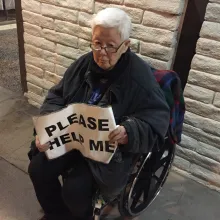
<point>96,47</point>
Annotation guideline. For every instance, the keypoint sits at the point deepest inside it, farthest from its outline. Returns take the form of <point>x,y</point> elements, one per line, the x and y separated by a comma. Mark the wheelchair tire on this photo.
<point>142,189</point>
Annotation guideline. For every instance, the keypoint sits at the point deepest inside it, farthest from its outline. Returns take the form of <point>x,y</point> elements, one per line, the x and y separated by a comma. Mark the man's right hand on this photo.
<point>41,148</point>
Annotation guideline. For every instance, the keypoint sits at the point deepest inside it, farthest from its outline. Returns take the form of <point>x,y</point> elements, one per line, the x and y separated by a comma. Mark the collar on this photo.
<point>116,88</point>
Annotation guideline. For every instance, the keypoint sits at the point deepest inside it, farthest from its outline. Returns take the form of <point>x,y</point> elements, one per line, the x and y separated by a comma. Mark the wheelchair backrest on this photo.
<point>170,83</point>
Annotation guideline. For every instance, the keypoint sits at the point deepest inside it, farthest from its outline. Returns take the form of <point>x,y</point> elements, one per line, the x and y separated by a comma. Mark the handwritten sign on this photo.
<point>78,126</point>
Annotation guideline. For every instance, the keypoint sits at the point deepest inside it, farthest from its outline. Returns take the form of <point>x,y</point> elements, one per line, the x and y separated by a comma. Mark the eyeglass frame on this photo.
<point>101,47</point>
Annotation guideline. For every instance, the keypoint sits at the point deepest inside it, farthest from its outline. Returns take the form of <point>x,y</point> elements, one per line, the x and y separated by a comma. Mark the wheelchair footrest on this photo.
<point>99,204</point>
<point>97,212</point>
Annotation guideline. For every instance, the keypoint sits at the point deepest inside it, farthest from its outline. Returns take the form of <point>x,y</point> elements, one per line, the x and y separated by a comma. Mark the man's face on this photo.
<point>107,37</point>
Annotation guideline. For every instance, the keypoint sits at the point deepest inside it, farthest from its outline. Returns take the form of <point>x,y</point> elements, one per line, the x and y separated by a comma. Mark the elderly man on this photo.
<point>109,75</point>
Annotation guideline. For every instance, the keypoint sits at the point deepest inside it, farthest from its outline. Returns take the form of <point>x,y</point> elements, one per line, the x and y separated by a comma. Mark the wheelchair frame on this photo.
<point>140,184</point>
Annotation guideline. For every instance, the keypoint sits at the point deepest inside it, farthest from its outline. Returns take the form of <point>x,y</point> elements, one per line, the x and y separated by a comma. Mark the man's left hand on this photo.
<point>119,135</point>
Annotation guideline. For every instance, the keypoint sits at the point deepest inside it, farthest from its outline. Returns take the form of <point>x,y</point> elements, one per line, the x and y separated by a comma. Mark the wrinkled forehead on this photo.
<point>106,34</point>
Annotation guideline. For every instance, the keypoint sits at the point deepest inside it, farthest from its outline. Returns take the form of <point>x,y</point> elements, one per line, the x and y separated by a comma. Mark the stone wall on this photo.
<point>57,32</point>
<point>199,154</point>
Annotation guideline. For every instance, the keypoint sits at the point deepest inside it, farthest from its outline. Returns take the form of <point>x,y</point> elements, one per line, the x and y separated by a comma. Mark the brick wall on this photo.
<point>58,32</point>
<point>199,154</point>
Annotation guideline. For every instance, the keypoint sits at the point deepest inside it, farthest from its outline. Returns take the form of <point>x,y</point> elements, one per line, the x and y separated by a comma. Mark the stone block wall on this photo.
<point>57,32</point>
<point>199,153</point>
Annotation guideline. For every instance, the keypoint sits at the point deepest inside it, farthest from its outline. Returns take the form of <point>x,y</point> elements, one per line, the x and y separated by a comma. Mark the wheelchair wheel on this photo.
<point>146,181</point>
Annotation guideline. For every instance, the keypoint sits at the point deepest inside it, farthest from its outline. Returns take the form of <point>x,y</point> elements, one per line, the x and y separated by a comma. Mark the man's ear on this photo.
<point>127,44</point>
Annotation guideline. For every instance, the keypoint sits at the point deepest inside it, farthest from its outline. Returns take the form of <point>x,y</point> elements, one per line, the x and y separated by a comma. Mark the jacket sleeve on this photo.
<point>149,124</point>
<point>53,102</point>
<point>56,98</point>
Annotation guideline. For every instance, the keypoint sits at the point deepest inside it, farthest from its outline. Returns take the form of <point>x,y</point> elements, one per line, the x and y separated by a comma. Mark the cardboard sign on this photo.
<point>78,126</point>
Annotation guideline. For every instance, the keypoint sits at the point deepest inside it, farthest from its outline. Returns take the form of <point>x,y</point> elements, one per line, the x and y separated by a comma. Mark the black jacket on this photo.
<point>137,101</point>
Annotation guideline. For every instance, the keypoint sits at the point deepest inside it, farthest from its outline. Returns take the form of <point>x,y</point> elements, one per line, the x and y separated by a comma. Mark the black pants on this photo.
<point>74,199</point>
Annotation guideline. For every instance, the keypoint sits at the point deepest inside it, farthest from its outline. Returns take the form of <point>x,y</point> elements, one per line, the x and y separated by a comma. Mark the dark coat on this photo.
<point>138,104</point>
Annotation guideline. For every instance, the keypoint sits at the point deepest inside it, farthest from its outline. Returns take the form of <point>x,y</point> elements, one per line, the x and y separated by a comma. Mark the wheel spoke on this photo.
<point>160,154</point>
<point>137,187</point>
<point>131,178</point>
<point>157,157</point>
<point>160,163</point>
<point>138,192</point>
<point>156,178</point>
<point>147,189</point>
<point>136,199</point>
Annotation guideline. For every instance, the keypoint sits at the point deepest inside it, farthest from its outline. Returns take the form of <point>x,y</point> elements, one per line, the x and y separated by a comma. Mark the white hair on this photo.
<point>114,18</point>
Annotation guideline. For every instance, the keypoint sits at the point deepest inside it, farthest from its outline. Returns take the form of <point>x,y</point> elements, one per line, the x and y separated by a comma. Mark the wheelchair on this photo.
<point>149,173</point>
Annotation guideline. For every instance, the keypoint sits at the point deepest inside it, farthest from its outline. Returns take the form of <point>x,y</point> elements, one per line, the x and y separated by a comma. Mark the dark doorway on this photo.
<point>6,14</point>
<point>194,18</point>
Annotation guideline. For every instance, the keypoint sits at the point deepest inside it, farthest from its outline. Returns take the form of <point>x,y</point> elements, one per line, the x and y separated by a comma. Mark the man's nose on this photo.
<point>103,51</point>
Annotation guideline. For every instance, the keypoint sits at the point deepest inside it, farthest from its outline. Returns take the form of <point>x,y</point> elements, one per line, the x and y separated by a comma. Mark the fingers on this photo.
<point>43,148</point>
<point>118,135</point>
<point>37,141</point>
<point>114,133</point>
<point>40,147</point>
<point>117,138</point>
<point>123,140</point>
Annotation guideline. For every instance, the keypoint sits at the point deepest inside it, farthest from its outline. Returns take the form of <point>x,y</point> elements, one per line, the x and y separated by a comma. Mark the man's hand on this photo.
<point>41,148</point>
<point>119,135</point>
